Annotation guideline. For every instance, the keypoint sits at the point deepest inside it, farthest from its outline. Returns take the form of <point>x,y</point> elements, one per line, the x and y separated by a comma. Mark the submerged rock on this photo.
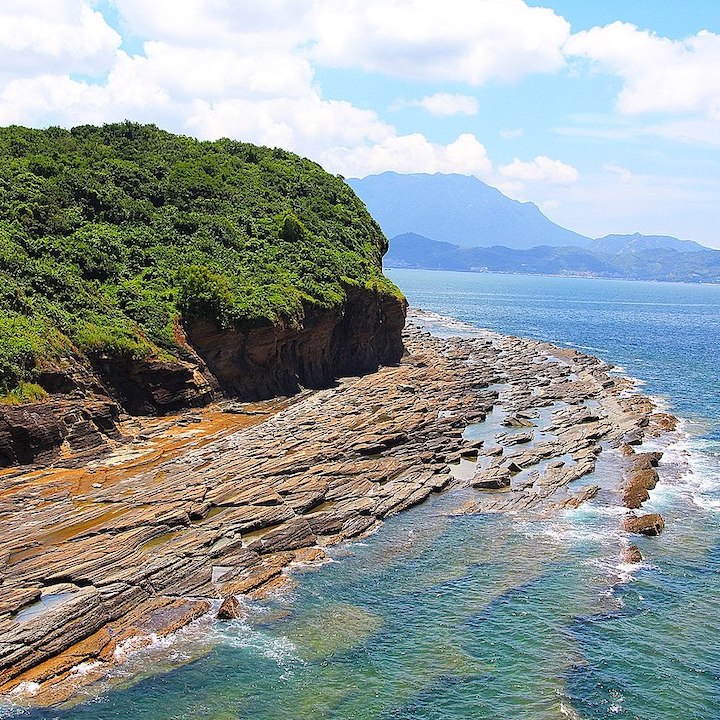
<point>631,555</point>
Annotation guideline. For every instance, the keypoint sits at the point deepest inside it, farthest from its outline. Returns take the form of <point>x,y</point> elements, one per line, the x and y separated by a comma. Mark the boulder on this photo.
<point>631,555</point>
<point>651,524</point>
<point>638,483</point>
<point>231,609</point>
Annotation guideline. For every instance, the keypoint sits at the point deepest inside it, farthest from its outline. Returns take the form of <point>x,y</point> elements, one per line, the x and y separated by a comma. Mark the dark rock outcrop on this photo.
<point>154,387</point>
<point>37,433</point>
<point>650,524</point>
<point>273,360</point>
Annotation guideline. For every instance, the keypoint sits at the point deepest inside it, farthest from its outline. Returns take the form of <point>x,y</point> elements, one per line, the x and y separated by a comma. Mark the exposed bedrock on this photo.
<point>39,432</point>
<point>641,478</point>
<point>155,387</point>
<point>261,363</point>
<point>274,360</point>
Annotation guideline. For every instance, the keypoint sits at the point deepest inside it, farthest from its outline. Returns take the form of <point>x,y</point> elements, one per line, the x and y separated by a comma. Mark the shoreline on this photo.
<point>155,544</point>
<point>558,275</point>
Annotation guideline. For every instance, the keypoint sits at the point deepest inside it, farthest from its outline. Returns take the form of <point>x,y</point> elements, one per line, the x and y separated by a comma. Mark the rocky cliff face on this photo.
<point>81,415</point>
<point>267,361</point>
<point>42,432</point>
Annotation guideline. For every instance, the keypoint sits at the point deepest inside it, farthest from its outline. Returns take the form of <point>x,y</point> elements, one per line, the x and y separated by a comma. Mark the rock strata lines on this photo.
<point>98,559</point>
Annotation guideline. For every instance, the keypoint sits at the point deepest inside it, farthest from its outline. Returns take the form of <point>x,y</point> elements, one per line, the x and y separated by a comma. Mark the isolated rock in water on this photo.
<point>638,484</point>
<point>516,421</point>
<point>631,555</point>
<point>231,609</point>
<point>650,524</point>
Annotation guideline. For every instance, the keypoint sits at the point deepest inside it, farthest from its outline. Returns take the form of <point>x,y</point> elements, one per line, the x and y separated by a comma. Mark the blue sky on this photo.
<point>607,115</point>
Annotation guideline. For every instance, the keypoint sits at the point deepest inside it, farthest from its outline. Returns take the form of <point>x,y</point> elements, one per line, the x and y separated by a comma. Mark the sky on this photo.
<point>604,114</point>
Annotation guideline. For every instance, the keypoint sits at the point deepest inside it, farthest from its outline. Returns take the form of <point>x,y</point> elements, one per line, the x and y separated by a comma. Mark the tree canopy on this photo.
<point>110,235</point>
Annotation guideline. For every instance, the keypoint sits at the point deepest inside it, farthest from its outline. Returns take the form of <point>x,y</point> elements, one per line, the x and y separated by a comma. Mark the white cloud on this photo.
<point>63,36</point>
<point>307,126</point>
<point>542,169</point>
<point>446,104</point>
<point>411,154</point>
<point>214,68</point>
<point>225,72</point>
<point>659,74</point>
<point>457,40</point>
<point>460,40</point>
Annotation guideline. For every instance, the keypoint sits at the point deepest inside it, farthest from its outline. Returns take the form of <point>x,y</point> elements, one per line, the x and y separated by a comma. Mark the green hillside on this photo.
<point>110,235</point>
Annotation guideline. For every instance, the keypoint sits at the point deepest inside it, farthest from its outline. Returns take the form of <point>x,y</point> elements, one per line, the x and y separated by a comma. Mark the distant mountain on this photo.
<point>458,209</point>
<point>410,250</point>
<point>637,243</point>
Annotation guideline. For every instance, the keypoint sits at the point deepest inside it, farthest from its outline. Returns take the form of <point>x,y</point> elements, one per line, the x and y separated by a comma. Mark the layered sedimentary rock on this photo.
<point>260,363</point>
<point>271,360</point>
<point>201,508</point>
<point>42,432</point>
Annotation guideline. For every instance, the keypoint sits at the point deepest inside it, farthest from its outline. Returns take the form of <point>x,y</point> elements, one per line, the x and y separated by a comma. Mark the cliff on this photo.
<point>146,273</point>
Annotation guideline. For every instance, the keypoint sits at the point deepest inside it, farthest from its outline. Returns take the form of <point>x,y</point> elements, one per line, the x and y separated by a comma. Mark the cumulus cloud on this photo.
<point>659,74</point>
<point>460,40</point>
<point>442,104</point>
<point>446,104</point>
<point>541,169</point>
<point>411,154</point>
<point>457,40</point>
<point>64,36</point>
<point>214,68</point>
<point>307,125</point>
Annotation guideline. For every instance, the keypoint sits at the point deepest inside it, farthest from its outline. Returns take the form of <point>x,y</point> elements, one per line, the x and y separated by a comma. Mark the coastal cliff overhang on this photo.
<point>267,360</point>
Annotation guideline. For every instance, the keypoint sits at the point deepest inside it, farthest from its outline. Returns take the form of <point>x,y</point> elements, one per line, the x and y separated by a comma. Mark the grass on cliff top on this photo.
<point>109,235</point>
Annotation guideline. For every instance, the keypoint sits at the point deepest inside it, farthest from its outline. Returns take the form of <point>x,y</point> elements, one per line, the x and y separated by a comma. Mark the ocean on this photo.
<point>493,616</point>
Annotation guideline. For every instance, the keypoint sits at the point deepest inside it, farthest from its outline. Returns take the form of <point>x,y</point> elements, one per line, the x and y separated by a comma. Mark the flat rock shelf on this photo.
<point>192,511</point>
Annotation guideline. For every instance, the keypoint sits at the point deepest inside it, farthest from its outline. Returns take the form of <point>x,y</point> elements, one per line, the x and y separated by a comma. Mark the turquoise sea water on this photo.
<point>489,617</point>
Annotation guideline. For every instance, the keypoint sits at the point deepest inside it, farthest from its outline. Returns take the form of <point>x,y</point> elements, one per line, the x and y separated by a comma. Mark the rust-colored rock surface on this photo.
<point>188,510</point>
<point>87,398</point>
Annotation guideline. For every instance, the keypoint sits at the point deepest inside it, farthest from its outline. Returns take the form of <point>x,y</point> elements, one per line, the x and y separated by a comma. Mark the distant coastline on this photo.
<point>520,273</point>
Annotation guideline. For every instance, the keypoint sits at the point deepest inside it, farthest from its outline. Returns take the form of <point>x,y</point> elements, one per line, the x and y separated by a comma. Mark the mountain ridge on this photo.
<point>411,250</point>
<point>469,213</point>
<point>460,209</point>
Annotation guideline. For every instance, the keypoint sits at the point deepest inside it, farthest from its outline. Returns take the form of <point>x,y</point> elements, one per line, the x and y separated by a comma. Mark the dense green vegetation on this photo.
<point>108,235</point>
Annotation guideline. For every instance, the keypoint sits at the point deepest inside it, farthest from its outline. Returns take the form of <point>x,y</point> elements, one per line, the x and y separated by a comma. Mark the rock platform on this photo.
<point>190,512</point>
